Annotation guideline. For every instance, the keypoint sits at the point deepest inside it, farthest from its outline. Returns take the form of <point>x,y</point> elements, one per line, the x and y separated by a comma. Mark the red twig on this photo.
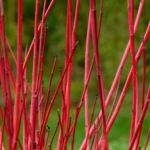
<point>146,104</point>
<point>83,93</point>
<point>51,142</point>
<point>147,140</point>
<point>99,72</point>
<point>134,77</point>
<point>63,114</point>
<point>49,85</point>
<point>24,92</point>
<point>69,71</point>
<point>11,51</point>
<point>100,18</point>
<point>5,78</point>
<point>39,28</point>
<point>115,81</point>
<point>34,72</point>
<point>114,101</point>
<point>92,115</point>
<point>74,128</point>
<point>2,130</point>
<point>144,76</point>
<point>53,98</point>
<point>46,138</point>
<point>42,42</point>
<point>19,74</point>
<point>121,98</point>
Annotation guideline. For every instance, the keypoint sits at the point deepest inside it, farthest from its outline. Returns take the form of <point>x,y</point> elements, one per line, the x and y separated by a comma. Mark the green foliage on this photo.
<point>113,40</point>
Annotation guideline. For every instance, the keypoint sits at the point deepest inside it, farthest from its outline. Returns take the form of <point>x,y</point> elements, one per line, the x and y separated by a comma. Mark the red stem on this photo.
<point>60,142</point>
<point>114,101</point>
<point>85,78</point>
<point>5,78</point>
<point>2,130</point>
<point>115,81</point>
<point>66,49</point>
<point>34,72</point>
<point>39,28</point>
<point>9,66</point>
<point>69,71</point>
<point>140,122</point>
<point>120,101</point>
<point>72,39</point>
<point>74,128</point>
<point>53,98</point>
<point>51,142</point>
<point>10,73</point>
<point>11,51</point>
<point>143,93</point>
<point>24,92</point>
<point>83,93</point>
<point>19,75</point>
<point>134,77</point>
<point>93,109</point>
<point>63,115</point>
<point>144,76</point>
<point>99,72</point>
<point>49,86</point>
<point>46,138</point>
<point>96,137</point>
<point>100,18</point>
<point>41,60</point>
<point>41,47</point>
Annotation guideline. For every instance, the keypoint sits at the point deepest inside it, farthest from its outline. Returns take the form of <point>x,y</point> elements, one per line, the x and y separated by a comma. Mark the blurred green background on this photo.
<point>113,40</point>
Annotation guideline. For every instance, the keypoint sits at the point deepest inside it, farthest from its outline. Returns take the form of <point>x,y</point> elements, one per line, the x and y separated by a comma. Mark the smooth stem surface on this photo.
<point>99,72</point>
<point>49,86</point>
<point>39,28</point>
<point>41,49</point>
<point>19,74</point>
<point>69,71</point>
<point>143,93</point>
<point>5,78</point>
<point>119,70</point>
<point>74,129</point>
<point>146,104</point>
<point>85,78</point>
<point>72,39</point>
<point>34,72</point>
<point>83,93</point>
<point>144,76</point>
<point>134,77</point>
<point>15,115</point>
<point>91,119</point>
<point>100,18</point>
<point>3,71</point>
<point>45,119</point>
<point>123,93</point>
